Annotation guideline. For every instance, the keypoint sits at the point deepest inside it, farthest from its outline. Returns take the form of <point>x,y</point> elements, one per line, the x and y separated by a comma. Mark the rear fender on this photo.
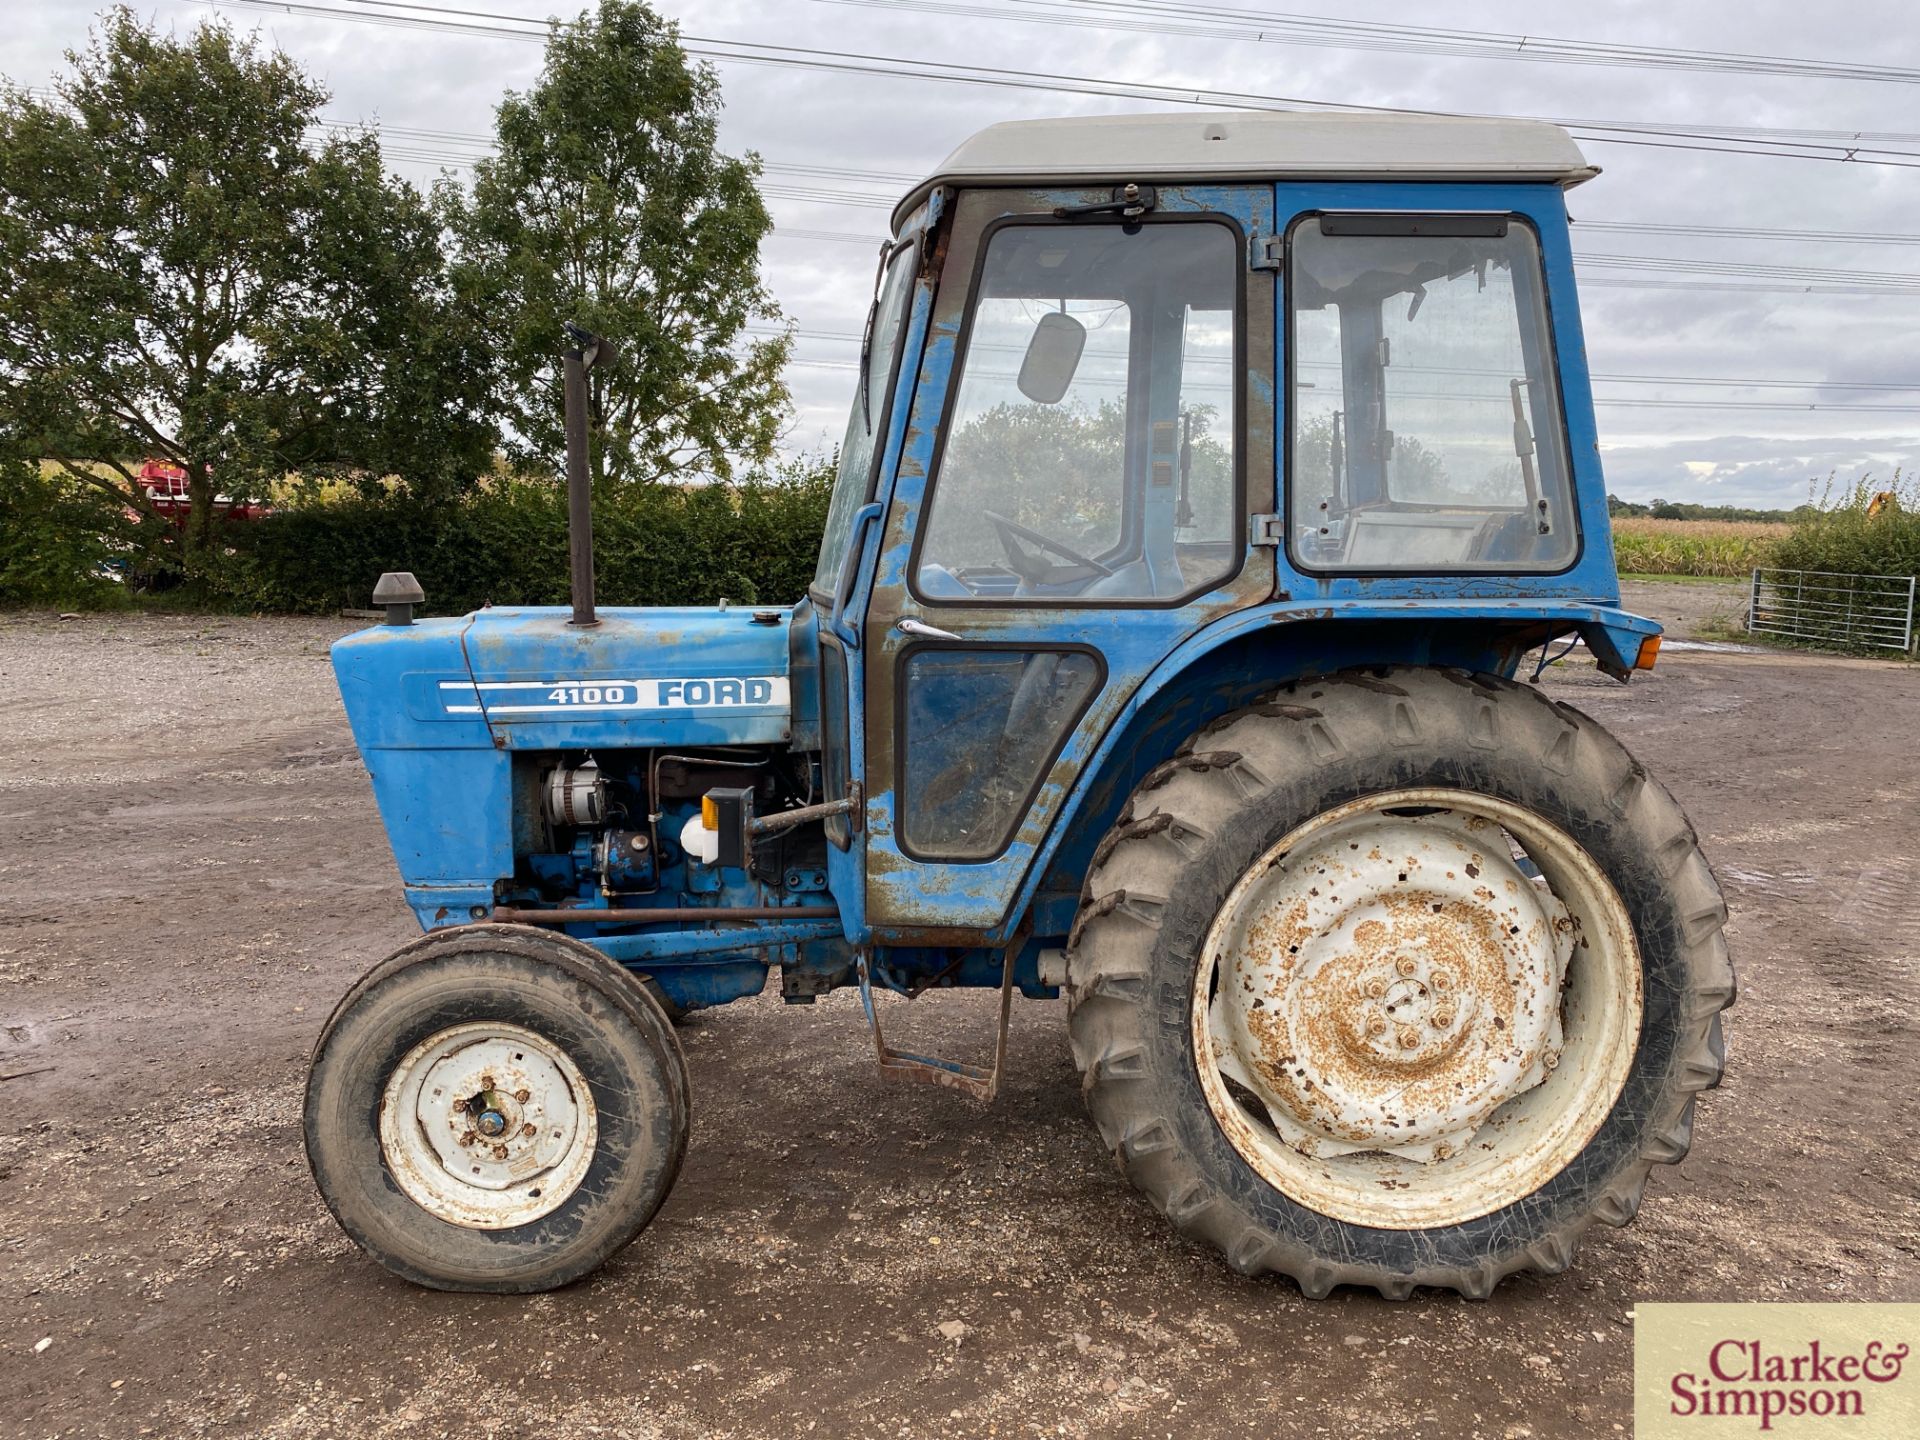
<point>1245,656</point>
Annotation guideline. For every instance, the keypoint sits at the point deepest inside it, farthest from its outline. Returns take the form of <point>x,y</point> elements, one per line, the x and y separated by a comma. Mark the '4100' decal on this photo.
<point>550,697</point>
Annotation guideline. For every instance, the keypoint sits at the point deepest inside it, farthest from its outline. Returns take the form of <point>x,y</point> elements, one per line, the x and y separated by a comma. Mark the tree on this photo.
<point>608,204</point>
<point>190,279</point>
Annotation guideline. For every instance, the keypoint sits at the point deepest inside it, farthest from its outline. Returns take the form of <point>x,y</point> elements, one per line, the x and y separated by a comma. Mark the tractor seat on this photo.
<point>1506,540</point>
<point>1129,580</point>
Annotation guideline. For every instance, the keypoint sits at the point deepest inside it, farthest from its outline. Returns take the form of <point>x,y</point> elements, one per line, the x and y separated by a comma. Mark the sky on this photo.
<point>1679,448</point>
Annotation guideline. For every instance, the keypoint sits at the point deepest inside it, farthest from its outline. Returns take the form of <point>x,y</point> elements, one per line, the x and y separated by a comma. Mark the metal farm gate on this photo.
<point>1856,611</point>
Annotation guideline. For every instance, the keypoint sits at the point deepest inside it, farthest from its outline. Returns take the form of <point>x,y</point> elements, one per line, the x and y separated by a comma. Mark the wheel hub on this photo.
<point>487,1125</point>
<point>1404,1013</point>
<point>1395,981</point>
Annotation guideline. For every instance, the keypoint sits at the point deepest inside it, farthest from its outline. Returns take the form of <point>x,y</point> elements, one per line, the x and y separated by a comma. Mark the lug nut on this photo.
<point>1405,965</point>
<point>526,1132</point>
<point>1376,989</point>
<point>1409,1038</point>
<point>1377,1025</point>
<point>1441,980</point>
<point>499,1152</point>
<point>1442,1019</point>
<point>521,1096</point>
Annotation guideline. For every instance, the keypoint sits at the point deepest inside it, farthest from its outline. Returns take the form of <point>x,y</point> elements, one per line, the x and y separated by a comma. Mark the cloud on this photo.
<point>1756,470</point>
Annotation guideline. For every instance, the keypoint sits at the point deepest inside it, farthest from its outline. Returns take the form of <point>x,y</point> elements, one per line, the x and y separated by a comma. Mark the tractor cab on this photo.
<point>1157,400</point>
<point>1206,484</point>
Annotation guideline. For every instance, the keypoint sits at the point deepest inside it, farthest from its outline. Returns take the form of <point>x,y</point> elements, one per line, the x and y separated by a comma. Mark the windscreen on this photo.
<point>1427,428</point>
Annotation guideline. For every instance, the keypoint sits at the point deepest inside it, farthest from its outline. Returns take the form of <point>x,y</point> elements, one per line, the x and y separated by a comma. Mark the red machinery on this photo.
<point>165,485</point>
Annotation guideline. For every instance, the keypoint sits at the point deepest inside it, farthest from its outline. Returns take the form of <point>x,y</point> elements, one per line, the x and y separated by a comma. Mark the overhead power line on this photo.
<point>418,145</point>
<point>1312,30</point>
<point>844,237</point>
<point>485,144</point>
<point>1749,232</point>
<point>1718,140</point>
<point>1228,22</point>
<point>1619,282</point>
<point>1776,278</point>
<point>1879,387</point>
<point>826,197</point>
<point>1613,404</point>
<point>1893,280</point>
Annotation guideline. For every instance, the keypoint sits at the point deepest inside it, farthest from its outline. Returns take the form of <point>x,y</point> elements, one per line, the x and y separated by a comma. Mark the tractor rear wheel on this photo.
<point>496,1109</point>
<point>1402,978</point>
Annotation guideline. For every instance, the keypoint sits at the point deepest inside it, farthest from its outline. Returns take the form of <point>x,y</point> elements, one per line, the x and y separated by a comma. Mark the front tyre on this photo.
<point>495,1109</point>
<point>1400,979</point>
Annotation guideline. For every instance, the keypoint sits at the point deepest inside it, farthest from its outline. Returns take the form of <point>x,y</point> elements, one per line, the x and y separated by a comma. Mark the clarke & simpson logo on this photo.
<point>1744,1378</point>
<point>1781,1370</point>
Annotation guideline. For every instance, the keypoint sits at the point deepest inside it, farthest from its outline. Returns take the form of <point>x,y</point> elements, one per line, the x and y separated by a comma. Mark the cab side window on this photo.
<point>1427,428</point>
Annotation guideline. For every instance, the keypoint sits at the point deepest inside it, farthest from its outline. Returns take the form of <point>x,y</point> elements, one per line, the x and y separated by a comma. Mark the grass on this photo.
<point>1703,548</point>
<point>1703,581</point>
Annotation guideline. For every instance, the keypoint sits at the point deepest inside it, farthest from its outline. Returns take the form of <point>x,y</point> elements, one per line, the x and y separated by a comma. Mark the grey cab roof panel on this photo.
<point>1258,145</point>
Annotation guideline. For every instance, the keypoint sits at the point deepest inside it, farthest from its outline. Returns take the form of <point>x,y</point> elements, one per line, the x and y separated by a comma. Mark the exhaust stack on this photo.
<point>584,351</point>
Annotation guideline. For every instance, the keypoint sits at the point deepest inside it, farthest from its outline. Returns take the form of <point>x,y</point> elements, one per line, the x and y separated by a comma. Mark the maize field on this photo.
<point>1725,548</point>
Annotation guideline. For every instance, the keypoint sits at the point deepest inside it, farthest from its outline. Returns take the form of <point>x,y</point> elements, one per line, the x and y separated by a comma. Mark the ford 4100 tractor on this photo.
<point>1207,484</point>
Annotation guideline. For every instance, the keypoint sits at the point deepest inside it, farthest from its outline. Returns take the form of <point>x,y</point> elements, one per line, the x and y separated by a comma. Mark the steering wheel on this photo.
<point>1021,562</point>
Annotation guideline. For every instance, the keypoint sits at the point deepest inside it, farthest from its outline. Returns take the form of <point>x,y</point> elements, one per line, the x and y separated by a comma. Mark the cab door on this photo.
<point>1090,438</point>
<point>828,636</point>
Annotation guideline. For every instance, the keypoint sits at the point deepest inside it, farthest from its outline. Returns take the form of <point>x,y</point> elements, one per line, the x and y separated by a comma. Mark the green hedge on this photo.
<point>1842,538</point>
<point>503,543</point>
<point>506,544</point>
<point>61,543</point>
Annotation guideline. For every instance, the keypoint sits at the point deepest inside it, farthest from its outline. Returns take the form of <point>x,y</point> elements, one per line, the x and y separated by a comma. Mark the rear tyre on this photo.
<point>495,1109</point>
<point>1329,1021</point>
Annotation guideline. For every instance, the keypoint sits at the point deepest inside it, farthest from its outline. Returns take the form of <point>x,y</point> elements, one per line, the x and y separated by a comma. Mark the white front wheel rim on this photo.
<point>1397,1025</point>
<point>487,1125</point>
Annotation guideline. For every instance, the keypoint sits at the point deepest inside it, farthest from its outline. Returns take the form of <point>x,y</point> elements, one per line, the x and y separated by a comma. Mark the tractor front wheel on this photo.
<point>1402,978</point>
<point>496,1109</point>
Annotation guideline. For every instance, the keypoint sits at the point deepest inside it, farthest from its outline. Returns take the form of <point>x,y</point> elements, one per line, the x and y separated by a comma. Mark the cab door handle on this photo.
<point>851,564</point>
<point>926,632</point>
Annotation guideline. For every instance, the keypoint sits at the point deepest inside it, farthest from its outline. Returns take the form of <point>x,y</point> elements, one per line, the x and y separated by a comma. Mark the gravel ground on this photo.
<point>1691,608</point>
<point>192,871</point>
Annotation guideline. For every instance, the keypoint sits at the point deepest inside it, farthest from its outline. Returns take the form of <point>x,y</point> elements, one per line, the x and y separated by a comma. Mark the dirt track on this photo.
<point>191,872</point>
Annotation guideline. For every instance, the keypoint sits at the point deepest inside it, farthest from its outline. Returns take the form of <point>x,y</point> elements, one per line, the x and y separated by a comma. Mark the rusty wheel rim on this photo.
<point>1417,1008</point>
<point>487,1125</point>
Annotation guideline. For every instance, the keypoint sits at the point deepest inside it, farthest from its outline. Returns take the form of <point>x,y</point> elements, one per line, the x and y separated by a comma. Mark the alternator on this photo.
<point>575,795</point>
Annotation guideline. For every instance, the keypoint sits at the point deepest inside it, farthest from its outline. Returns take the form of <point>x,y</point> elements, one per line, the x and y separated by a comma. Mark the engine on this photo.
<point>637,829</point>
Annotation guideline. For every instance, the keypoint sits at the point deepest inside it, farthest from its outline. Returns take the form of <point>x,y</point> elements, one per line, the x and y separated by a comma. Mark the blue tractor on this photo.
<point>1208,483</point>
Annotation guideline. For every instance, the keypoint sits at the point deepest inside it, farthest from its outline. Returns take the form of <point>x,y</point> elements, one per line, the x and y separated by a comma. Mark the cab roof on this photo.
<point>1258,145</point>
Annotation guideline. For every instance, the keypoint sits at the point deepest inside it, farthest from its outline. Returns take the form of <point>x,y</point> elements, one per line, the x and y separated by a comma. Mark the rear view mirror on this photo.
<point>1053,354</point>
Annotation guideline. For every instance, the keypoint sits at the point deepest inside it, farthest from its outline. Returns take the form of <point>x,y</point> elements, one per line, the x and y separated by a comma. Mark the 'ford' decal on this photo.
<point>552,697</point>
